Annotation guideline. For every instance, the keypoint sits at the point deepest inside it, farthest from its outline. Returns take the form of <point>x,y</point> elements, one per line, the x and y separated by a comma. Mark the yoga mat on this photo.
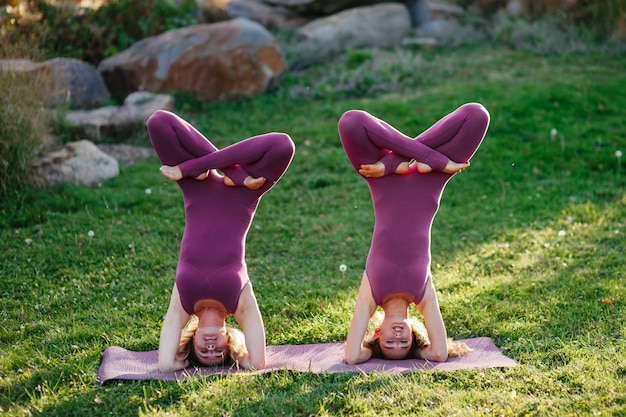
<point>323,358</point>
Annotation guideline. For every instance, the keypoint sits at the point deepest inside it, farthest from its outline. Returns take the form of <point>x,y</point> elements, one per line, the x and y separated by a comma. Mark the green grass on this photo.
<point>528,249</point>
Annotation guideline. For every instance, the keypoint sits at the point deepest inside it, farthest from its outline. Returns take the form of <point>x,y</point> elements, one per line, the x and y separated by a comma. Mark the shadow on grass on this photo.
<point>554,282</point>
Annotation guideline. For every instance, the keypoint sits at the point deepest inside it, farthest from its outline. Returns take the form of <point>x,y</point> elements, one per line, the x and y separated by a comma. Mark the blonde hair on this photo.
<point>419,342</point>
<point>235,341</point>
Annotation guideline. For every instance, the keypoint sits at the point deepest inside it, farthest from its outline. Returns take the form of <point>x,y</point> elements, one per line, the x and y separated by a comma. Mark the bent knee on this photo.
<point>351,120</point>
<point>286,144</point>
<point>475,110</point>
<point>351,117</point>
<point>282,144</point>
<point>159,118</point>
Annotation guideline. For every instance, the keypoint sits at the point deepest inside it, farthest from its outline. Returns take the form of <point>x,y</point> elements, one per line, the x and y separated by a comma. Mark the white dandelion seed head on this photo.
<point>148,191</point>
<point>618,154</point>
<point>91,233</point>
<point>343,267</point>
<point>561,233</point>
<point>28,241</point>
<point>553,133</point>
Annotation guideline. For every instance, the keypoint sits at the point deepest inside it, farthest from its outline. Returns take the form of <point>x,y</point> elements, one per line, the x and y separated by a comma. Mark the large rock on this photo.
<point>77,162</point>
<point>224,60</point>
<point>69,81</point>
<point>111,121</point>
<point>380,25</point>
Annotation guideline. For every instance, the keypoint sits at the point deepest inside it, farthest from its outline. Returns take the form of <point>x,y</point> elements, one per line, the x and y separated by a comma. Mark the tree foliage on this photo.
<point>66,30</point>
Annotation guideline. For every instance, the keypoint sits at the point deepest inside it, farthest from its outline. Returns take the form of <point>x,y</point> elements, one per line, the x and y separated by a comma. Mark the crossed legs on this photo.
<point>185,152</point>
<point>375,148</point>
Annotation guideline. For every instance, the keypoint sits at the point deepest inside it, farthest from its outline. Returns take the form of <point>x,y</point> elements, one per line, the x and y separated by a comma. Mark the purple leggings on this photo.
<point>405,205</point>
<point>217,217</point>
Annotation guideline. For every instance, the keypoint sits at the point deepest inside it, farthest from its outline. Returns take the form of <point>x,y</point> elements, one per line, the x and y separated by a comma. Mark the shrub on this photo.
<point>63,29</point>
<point>604,20</point>
<point>23,121</point>
<point>548,35</point>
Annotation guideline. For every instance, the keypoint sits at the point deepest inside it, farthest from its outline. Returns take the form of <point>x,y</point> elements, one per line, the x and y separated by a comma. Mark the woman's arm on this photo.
<point>437,351</point>
<point>175,319</point>
<point>365,307</point>
<point>249,318</point>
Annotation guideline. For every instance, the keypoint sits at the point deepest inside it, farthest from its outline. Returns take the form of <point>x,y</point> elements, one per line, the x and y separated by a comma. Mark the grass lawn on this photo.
<point>528,249</point>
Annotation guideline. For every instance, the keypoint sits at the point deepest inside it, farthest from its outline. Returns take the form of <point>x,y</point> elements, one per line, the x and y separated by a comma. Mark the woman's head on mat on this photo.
<point>396,337</point>
<point>210,345</point>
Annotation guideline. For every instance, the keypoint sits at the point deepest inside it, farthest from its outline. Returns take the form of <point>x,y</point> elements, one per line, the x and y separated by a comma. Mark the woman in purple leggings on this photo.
<point>406,177</point>
<point>211,278</point>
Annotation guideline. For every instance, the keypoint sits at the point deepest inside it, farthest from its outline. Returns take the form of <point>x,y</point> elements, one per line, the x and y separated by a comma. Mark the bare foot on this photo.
<point>250,182</point>
<point>454,167</point>
<point>228,181</point>
<point>171,173</point>
<point>423,168</point>
<point>403,168</point>
<point>377,169</point>
<point>254,183</point>
<point>451,168</point>
<point>203,176</point>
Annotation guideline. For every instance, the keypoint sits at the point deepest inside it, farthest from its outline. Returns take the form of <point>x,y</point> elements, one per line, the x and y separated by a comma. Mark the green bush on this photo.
<point>62,29</point>
<point>24,121</point>
<point>604,20</point>
<point>22,126</point>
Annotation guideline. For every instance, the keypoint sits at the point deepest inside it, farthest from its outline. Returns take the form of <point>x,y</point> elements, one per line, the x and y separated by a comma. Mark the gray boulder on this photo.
<point>381,25</point>
<point>225,60</point>
<point>70,81</point>
<point>77,162</point>
<point>113,120</point>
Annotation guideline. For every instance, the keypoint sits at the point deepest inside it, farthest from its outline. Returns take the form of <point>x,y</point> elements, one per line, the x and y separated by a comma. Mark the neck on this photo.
<point>396,306</point>
<point>210,315</point>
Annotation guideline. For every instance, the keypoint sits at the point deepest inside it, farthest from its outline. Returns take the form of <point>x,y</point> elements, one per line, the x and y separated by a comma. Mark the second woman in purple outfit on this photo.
<point>406,177</point>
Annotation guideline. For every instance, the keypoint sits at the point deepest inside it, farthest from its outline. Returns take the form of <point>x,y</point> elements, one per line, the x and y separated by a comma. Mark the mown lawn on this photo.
<point>528,249</point>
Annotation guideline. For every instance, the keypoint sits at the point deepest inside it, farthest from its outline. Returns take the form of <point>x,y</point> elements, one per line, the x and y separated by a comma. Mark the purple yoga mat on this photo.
<point>324,358</point>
